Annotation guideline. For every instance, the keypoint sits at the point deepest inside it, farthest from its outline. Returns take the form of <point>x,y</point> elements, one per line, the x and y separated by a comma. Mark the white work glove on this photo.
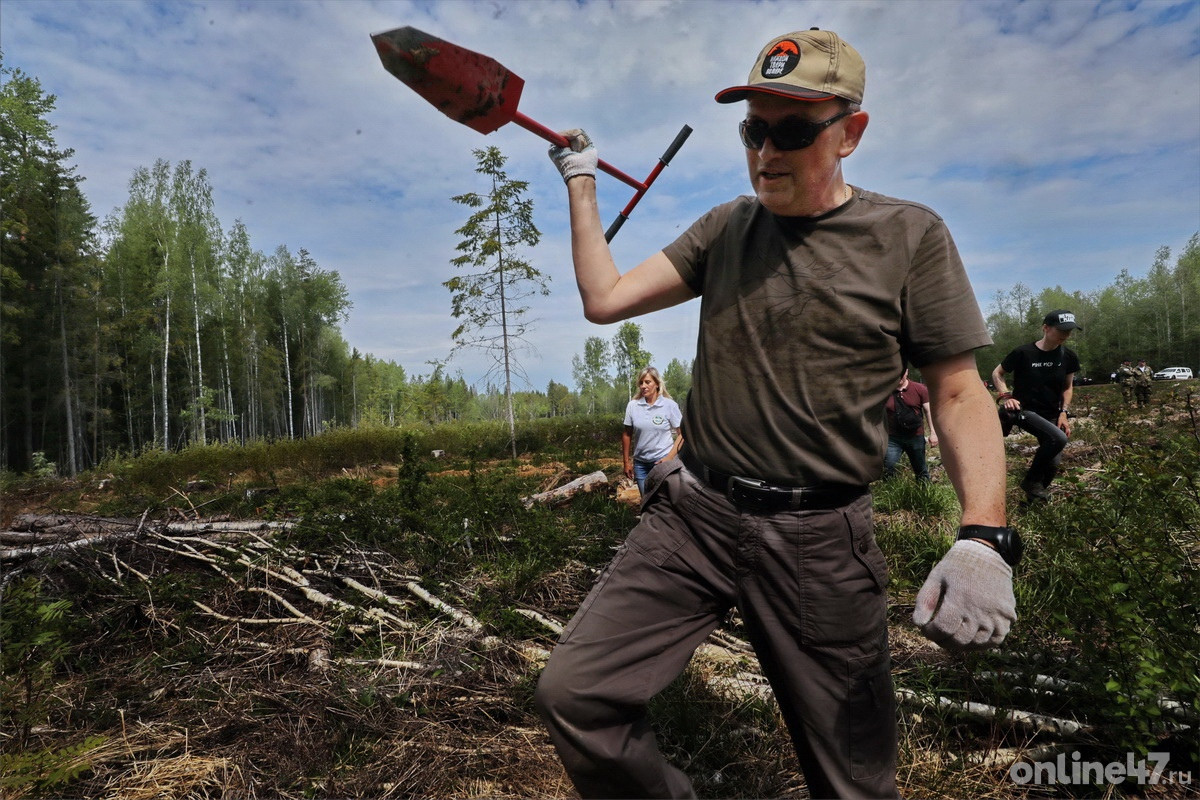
<point>579,158</point>
<point>974,587</point>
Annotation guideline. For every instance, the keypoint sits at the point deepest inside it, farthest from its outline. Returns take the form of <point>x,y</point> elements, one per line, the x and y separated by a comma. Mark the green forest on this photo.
<point>161,326</point>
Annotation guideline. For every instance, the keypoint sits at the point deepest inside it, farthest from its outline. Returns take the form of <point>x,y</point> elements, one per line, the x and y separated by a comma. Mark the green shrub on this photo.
<point>34,633</point>
<point>48,767</point>
<point>1112,570</point>
<point>1108,593</point>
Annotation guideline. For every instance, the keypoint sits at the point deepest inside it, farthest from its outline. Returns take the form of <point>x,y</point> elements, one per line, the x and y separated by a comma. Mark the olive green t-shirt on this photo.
<point>804,325</point>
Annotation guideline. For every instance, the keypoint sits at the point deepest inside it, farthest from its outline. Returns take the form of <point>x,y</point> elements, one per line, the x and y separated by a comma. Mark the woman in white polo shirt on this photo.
<point>651,432</point>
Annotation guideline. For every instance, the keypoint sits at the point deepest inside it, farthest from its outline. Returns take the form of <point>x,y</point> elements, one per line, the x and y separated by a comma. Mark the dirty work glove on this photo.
<point>974,587</point>
<point>580,158</point>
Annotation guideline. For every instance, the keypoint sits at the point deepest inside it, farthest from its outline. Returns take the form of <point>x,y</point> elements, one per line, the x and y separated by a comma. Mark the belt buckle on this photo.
<point>750,493</point>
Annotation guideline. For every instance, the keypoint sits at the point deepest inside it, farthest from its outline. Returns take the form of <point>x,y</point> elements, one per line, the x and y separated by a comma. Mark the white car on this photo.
<point>1174,374</point>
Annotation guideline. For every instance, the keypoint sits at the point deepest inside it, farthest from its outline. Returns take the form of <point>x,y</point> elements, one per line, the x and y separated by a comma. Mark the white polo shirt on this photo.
<point>652,426</point>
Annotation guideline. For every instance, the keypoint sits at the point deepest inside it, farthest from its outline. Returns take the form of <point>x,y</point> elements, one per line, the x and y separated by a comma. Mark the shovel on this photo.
<point>482,94</point>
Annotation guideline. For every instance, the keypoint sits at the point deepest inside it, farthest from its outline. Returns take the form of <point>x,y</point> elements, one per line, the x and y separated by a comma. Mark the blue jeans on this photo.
<point>915,447</point>
<point>640,470</point>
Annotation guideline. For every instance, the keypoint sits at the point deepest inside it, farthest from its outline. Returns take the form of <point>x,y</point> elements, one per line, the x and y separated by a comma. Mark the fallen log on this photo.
<point>1006,757</point>
<point>553,626</point>
<point>82,523</point>
<point>565,492</point>
<point>319,658</point>
<point>27,537</point>
<point>229,526</point>
<point>47,533</point>
<point>458,615</point>
<point>14,554</point>
<point>1041,723</point>
<point>368,591</point>
<point>70,523</point>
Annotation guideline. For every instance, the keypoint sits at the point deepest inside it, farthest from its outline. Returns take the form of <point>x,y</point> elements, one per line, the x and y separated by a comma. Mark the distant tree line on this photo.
<point>159,328</point>
<point>1156,317</point>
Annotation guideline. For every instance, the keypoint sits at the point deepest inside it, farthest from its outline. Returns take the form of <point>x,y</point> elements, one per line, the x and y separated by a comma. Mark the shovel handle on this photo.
<point>665,159</point>
<point>556,139</point>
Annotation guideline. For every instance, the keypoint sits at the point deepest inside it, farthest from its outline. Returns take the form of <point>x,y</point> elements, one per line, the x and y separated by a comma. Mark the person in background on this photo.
<point>651,432</point>
<point>904,438</point>
<point>813,296</point>
<point>1142,382</point>
<point>1043,375</point>
<point>1126,378</point>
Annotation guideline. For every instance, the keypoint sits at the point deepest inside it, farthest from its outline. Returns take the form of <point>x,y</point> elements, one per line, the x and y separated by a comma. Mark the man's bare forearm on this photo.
<point>970,438</point>
<point>595,272</point>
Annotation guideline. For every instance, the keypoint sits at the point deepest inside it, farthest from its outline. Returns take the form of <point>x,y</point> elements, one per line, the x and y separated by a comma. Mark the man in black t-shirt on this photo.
<point>1043,382</point>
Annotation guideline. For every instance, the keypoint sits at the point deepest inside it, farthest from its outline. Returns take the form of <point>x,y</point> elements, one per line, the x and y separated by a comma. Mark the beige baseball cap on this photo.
<point>804,65</point>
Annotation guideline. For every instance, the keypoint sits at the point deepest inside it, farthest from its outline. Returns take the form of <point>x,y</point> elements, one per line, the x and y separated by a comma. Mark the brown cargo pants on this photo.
<point>809,586</point>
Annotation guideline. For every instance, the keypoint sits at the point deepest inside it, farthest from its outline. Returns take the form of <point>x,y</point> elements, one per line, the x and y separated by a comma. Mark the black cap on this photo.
<point>1063,320</point>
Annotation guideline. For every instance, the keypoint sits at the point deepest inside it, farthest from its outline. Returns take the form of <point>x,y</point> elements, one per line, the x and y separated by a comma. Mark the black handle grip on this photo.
<point>616,226</point>
<point>667,155</point>
<point>680,138</point>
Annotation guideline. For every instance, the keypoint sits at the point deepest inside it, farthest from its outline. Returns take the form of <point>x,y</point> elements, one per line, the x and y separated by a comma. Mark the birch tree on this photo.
<point>198,238</point>
<point>629,354</point>
<point>590,371</point>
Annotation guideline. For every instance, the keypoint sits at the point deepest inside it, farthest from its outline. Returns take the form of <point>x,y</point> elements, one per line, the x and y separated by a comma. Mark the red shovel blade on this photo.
<point>482,94</point>
<point>466,86</point>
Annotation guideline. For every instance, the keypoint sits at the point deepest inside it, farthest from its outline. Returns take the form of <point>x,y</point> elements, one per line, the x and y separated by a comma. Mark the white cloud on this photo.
<point>1061,141</point>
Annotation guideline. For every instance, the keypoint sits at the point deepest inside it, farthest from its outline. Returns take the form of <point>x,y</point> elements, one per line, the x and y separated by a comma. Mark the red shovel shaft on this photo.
<point>665,159</point>
<point>557,139</point>
<point>641,186</point>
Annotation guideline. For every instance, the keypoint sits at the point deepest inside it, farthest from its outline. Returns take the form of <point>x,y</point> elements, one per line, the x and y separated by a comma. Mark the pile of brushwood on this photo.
<point>364,614</point>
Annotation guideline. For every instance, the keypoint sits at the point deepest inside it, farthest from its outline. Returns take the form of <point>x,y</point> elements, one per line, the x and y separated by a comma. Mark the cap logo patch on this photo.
<point>781,60</point>
<point>1065,318</point>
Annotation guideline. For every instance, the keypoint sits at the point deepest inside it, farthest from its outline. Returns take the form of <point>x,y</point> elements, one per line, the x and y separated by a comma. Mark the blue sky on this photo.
<point>1060,140</point>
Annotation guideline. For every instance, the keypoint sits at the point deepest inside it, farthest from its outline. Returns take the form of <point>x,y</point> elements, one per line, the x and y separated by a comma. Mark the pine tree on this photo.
<point>488,297</point>
<point>46,233</point>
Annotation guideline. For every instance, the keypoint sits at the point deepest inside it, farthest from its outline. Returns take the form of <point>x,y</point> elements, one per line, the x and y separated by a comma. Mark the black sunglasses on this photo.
<point>791,133</point>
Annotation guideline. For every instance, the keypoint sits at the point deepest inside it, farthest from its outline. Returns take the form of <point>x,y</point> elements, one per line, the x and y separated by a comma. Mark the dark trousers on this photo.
<point>914,446</point>
<point>1051,441</point>
<point>810,588</point>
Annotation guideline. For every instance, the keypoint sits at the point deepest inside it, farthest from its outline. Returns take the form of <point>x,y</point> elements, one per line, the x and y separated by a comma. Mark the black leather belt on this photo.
<point>753,494</point>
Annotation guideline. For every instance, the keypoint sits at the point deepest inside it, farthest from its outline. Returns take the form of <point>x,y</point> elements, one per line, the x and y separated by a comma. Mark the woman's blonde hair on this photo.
<point>653,373</point>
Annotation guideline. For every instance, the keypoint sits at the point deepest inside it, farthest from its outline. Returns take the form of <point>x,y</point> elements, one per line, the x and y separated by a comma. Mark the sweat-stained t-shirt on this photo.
<point>804,327</point>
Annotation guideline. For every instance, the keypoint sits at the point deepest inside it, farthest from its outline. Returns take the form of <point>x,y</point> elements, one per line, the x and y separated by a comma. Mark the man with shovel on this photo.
<point>814,295</point>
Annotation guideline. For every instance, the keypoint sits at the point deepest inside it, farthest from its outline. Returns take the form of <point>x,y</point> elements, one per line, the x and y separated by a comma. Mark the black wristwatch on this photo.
<point>1006,540</point>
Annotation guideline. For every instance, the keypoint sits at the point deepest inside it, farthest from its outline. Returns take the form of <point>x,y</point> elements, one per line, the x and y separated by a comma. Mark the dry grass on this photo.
<point>340,704</point>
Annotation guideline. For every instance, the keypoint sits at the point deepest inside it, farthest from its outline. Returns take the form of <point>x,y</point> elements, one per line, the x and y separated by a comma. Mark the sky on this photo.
<point>1060,140</point>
